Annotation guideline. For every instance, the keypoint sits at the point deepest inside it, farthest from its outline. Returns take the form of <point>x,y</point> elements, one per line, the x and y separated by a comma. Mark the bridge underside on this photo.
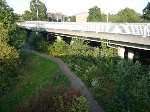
<point>113,39</point>
<point>131,41</point>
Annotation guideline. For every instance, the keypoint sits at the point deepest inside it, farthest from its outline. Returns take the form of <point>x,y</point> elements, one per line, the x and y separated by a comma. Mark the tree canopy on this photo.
<point>27,15</point>
<point>32,14</point>
<point>7,17</point>
<point>146,12</point>
<point>94,14</point>
<point>128,15</point>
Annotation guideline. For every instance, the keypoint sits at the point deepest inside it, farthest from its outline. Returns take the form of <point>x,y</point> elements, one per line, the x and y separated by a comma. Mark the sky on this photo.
<point>71,7</point>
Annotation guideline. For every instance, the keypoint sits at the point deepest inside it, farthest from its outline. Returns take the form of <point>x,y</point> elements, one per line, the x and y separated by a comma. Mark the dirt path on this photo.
<point>75,81</point>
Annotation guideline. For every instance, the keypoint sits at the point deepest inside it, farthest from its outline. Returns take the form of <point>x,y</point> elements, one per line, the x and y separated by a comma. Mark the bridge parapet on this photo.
<point>136,29</point>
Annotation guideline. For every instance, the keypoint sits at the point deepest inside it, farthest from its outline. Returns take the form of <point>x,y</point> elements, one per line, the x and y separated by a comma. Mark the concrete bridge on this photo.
<point>127,37</point>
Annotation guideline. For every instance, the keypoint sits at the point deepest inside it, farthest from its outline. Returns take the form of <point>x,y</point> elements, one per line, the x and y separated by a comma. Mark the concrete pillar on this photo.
<point>130,55</point>
<point>72,41</point>
<point>59,38</point>
<point>121,52</point>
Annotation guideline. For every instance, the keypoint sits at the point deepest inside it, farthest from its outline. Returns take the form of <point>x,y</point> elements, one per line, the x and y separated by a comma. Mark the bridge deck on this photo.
<point>135,35</point>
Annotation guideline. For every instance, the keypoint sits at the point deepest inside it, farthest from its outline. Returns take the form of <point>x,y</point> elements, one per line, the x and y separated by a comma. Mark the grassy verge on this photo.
<point>38,73</point>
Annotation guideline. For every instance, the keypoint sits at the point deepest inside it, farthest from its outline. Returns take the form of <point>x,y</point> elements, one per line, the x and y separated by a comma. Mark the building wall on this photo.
<point>82,17</point>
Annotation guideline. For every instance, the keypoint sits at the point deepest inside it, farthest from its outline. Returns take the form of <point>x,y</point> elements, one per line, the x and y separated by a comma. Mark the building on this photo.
<point>56,17</point>
<point>82,17</point>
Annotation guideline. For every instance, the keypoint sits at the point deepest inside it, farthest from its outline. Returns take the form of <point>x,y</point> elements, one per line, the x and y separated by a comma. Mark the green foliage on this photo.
<point>27,16</point>
<point>118,85</point>
<point>58,100</point>
<point>18,38</point>
<point>128,15</point>
<point>7,52</point>
<point>94,14</point>
<point>146,12</point>
<point>58,48</point>
<point>10,39</point>
<point>105,51</point>
<point>7,17</point>
<point>77,48</point>
<point>8,62</point>
<point>79,104</point>
<point>32,13</point>
<point>36,74</point>
<point>113,18</point>
<point>9,59</point>
<point>3,34</point>
<point>42,10</point>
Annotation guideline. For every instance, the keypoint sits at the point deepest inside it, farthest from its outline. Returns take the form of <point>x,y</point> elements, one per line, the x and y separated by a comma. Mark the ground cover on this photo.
<point>38,73</point>
<point>118,85</point>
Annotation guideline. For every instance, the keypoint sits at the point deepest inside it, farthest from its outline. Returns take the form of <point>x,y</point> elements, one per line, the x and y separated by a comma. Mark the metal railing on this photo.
<point>138,29</point>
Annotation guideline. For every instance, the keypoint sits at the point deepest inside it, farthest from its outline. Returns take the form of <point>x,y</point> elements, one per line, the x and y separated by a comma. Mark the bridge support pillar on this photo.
<point>130,55</point>
<point>121,52</point>
<point>72,41</point>
<point>59,38</point>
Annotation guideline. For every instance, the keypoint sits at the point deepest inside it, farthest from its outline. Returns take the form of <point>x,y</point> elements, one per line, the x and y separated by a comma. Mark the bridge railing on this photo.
<point>138,29</point>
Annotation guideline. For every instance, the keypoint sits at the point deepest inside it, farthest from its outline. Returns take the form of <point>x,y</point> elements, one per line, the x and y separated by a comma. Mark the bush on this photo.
<point>58,48</point>
<point>79,104</point>
<point>118,85</point>
<point>56,101</point>
<point>9,61</point>
<point>18,38</point>
<point>9,58</point>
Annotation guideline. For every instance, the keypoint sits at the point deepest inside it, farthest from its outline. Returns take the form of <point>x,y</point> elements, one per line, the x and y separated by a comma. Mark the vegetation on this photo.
<point>128,15</point>
<point>11,42</point>
<point>34,76</point>
<point>56,101</point>
<point>32,14</point>
<point>42,88</point>
<point>27,16</point>
<point>146,12</point>
<point>94,14</point>
<point>118,85</point>
<point>125,15</point>
<point>9,56</point>
<point>7,17</point>
<point>72,18</point>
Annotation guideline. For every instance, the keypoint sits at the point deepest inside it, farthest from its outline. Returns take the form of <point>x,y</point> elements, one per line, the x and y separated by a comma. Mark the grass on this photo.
<point>37,73</point>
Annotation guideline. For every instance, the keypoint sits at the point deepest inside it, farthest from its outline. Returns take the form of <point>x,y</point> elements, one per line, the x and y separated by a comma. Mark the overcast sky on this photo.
<point>71,7</point>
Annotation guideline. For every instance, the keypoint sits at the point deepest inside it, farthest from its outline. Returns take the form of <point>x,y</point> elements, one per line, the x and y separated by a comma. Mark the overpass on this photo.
<point>125,36</point>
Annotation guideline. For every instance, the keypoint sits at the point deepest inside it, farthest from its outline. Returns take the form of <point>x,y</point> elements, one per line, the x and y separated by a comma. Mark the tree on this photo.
<point>42,10</point>
<point>128,15</point>
<point>7,17</point>
<point>146,12</point>
<point>9,58</point>
<point>72,18</point>
<point>94,14</point>
<point>27,15</point>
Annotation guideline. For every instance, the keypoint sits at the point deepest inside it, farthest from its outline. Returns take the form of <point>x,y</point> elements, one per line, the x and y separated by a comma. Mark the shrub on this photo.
<point>58,48</point>
<point>18,38</point>
<point>55,101</point>
<point>106,51</point>
<point>118,85</point>
<point>78,47</point>
<point>9,59</point>
<point>79,104</point>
